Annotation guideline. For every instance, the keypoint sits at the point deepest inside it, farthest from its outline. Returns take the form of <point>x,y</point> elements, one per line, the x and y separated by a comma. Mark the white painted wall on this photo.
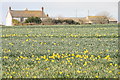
<point>9,19</point>
<point>17,19</point>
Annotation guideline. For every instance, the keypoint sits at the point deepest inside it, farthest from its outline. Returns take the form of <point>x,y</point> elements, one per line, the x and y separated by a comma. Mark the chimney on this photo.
<point>47,15</point>
<point>42,9</point>
<point>42,13</point>
<point>26,9</point>
<point>9,8</point>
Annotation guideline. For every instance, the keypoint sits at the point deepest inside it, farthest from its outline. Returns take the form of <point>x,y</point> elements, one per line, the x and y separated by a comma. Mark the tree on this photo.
<point>36,20</point>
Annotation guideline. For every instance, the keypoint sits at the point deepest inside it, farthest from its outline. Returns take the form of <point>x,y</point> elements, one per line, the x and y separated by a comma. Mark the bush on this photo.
<point>15,22</point>
<point>47,21</point>
<point>54,21</point>
<point>36,20</point>
<point>67,21</point>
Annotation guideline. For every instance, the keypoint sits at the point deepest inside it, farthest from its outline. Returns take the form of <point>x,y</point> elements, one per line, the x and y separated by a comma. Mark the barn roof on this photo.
<point>112,19</point>
<point>94,17</point>
<point>27,13</point>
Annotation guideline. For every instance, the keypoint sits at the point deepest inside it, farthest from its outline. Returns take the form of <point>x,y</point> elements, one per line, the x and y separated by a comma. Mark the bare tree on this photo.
<point>104,13</point>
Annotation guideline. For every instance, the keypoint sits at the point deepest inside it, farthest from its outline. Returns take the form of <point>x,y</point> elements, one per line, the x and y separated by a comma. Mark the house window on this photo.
<point>21,19</point>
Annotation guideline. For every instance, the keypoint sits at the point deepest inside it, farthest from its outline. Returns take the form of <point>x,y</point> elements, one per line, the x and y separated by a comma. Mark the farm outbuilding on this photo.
<point>101,20</point>
<point>97,19</point>
<point>85,21</point>
<point>112,21</point>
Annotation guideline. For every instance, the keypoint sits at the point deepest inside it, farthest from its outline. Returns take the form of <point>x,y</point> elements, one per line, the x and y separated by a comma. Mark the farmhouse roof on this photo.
<point>27,13</point>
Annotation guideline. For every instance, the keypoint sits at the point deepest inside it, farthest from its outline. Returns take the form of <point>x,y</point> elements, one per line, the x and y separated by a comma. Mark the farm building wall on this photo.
<point>9,19</point>
<point>112,22</point>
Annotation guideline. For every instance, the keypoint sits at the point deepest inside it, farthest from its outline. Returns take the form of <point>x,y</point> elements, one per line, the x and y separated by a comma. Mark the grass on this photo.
<point>60,51</point>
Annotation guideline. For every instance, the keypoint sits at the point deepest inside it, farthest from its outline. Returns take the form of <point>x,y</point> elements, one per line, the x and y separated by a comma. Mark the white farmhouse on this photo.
<point>21,15</point>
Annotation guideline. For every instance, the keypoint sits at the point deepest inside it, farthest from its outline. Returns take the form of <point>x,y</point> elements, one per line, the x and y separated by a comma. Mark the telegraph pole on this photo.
<point>76,13</point>
<point>88,12</point>
<point>42,12</point>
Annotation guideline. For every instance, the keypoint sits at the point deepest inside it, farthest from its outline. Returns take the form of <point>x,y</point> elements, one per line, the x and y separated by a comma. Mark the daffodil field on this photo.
<point>60,51</point>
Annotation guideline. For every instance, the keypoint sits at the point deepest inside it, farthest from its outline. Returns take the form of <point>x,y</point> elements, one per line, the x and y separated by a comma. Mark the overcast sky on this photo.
<point>64,8</point>
<point>59,0</point>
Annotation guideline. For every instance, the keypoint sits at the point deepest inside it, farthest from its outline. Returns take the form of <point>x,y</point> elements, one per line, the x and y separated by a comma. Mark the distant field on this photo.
<point>60,51</point>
